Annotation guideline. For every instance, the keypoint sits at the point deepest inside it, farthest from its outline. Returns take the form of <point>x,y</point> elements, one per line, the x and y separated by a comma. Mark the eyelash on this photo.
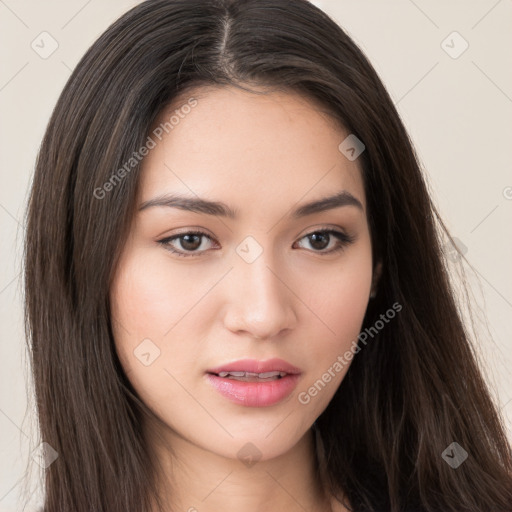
<point>343,239</point>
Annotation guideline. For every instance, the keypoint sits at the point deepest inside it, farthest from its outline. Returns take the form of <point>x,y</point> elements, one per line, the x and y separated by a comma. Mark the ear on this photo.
<point>377,272</point>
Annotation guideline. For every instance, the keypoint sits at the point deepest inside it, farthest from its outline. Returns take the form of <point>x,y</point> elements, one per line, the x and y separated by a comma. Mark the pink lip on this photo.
<point>255,394</point>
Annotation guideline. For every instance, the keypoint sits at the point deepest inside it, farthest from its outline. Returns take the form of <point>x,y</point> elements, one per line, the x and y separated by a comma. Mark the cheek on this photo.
<point>339,297</point>
<point>339,301</point>
<point>154,309</point>
<point>141,309</point>
<point>345,303</point>
<point>148,299</point>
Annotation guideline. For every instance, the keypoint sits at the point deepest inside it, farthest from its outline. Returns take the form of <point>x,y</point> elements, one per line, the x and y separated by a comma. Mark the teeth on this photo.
<point>234,374</point>
<point>271,374</point>
<point>265,375</point>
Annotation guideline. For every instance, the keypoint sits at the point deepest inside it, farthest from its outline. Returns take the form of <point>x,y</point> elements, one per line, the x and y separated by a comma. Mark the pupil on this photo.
<point>314,238</point>
<point>186,244</point>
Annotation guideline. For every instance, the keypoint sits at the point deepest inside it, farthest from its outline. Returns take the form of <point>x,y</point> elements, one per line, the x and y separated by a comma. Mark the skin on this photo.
<point>262,155</point>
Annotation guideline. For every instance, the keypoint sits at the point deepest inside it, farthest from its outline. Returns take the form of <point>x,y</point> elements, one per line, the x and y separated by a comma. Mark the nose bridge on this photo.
<point>261,303</point>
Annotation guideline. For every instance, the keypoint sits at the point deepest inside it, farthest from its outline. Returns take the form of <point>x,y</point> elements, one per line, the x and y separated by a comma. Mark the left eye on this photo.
<point>191,241</point>
<point>318,239</point>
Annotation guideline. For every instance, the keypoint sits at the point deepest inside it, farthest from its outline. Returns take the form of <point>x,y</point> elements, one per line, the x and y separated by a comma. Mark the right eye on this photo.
<point>189,241</point>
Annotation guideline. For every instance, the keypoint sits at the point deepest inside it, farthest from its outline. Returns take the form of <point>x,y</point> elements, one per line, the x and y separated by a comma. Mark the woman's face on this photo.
<point>266,278</point>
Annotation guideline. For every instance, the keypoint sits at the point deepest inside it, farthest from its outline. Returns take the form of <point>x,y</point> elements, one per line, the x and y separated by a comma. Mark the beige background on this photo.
<point>457,108</point>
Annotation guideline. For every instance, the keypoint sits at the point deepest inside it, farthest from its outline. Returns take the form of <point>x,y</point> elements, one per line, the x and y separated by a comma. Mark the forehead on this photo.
<point>251,150</point>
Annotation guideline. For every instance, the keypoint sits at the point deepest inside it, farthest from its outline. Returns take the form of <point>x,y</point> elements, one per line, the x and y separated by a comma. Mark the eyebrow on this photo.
<point>220,209</point>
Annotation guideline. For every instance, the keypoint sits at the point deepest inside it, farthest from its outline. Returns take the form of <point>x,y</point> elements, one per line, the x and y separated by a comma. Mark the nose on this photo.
<point>261,302</point>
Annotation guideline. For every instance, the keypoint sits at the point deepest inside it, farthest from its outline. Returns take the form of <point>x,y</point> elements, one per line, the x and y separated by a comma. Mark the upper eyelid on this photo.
<point>211,237</point>
<point>348,237</point>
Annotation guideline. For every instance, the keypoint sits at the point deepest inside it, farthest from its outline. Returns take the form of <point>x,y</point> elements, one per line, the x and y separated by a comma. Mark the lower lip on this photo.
<point>254,394</point>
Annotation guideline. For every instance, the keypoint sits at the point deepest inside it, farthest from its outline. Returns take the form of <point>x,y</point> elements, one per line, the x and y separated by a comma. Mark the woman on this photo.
<point>235,290</point>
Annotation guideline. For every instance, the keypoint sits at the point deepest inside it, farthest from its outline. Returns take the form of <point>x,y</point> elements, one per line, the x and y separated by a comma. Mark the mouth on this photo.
<point>254,383</point>
<point>251,376</point>
<point>268,369</point>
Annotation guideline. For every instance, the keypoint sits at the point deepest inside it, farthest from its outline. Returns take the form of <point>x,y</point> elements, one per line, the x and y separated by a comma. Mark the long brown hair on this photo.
<point>409,394</point>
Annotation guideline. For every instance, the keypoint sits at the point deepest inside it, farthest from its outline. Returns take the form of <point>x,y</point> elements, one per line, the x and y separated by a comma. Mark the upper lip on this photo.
<point>255,366</point>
